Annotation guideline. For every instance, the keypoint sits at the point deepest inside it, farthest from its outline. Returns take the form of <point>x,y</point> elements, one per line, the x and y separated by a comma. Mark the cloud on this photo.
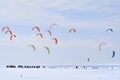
<point>70,50</point>
<point>90,18</point>
<point>39,12</point>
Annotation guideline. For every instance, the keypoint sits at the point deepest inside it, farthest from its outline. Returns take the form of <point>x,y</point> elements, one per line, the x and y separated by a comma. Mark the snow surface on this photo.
<point>59,74</point>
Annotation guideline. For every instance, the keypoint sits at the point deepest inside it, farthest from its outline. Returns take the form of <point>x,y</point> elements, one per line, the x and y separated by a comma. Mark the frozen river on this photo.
<point>59,74</point>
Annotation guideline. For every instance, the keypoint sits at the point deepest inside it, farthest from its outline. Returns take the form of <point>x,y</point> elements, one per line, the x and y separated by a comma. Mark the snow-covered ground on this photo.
<point>59,74</point>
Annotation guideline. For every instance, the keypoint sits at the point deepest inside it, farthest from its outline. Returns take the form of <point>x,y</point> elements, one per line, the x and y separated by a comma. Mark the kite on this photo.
<point>9,31</point>
<point>37,28</point>
<point>53,24</point>
<point>72,30</point>
<point>33,47</point>
<point>49,32</point>
<point>5,27</point>
<point>55,40</point>
<point>11,37</point>
<point>109,30</point>
<point>47,50</point>
<point>100,45</point>
<point>40,34</point>
<point>113,54</point>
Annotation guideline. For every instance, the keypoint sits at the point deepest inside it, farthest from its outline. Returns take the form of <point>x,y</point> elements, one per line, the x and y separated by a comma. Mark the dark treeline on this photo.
<point>66,67</point>
<point>24,66</point>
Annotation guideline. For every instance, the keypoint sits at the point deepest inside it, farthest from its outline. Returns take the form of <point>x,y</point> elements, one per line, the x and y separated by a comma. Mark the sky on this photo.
<point>89,18</point>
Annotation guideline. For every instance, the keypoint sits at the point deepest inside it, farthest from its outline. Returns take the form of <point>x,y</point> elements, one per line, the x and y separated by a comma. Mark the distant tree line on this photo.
<point>24,66</point>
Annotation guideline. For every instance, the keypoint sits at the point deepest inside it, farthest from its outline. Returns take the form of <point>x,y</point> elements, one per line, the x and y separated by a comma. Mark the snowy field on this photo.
<point>59,74</point>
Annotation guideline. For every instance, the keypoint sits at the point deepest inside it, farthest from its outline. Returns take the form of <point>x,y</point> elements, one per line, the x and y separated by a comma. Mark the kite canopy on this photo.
<point>55,40</point>
<point>40,34</point>
<point>72,30</point>
<point>36,28</point>
<point>100,46</point>
<point>49,32</point>
<point>48,50</point>
<point>33,47</point>
<point>11,37</point>
<point>5,28</point>
<point>109,30</point>
<point>9,31</point>
<point>113,55</point>
<point>53,24</point>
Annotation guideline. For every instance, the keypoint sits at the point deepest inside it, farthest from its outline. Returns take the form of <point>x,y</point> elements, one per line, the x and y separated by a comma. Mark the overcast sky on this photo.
<point>91,19</point>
